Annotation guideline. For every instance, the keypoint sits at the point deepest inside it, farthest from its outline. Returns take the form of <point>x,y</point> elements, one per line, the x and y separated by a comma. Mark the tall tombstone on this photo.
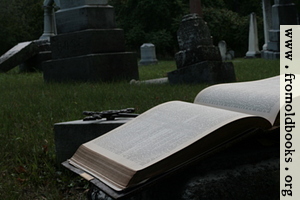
<point>198,60</point>
<point>267,18</point>
<point>253,51</point>
<point>284,12</point>
<point>89,46</point>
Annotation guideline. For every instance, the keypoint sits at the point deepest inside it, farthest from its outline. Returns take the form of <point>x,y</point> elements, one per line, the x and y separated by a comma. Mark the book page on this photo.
<point>159,132</point>
<point>260,97</point>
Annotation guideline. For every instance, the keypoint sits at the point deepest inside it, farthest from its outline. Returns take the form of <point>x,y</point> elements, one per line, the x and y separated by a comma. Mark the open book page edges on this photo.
<point>261,98</point>
<point>152,137</point>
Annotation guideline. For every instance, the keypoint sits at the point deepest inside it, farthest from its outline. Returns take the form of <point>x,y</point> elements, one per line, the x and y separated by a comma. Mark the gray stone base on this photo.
<point>148,62</point>
<point>204,72</point>
<point>70,135</point>
<point>89,41</point>
<point>274,46</point>
<point>199,54</point>
<point>274,35</point>
<point>85,17</point>
<point>92,67</point>
<point>271,55</point>
<point>252,54</point>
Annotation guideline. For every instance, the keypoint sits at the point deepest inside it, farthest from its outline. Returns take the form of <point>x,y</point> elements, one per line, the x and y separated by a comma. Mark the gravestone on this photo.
<point>226,55</point>
<point>284,12</point>
<point>253,51</point>
<point>198,60</point>
<point>267,15</point>
<point>148,54</point>
<point>19,53</point>
<point>88,46</point>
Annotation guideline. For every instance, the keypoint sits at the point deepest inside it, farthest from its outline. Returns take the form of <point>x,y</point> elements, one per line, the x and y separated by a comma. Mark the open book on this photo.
<point>176,132</point>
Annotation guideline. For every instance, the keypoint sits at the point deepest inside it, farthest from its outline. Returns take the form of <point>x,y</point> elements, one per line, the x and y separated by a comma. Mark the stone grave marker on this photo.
<point>267,15</point>
<point>253,51</point>
<point>223,49</point>
<point>198,60</point>
<point>17,55</point>
<point>148,54</point>
<point>88,46</point>
<point>225,54</point>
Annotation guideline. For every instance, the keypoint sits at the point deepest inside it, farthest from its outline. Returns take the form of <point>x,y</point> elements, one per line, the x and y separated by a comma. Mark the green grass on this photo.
<point>29,108</point>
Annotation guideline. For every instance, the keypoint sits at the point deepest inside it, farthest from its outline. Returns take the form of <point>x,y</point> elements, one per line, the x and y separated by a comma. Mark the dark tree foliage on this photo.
<point>150,21</point>
<point>157,22</point>
<point>20,20</point>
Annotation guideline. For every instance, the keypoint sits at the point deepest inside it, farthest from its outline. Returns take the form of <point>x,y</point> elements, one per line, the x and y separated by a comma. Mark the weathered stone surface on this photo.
<point>193,32</point>
<point>70,135</point>
<point>17,55</point>
<point>85,17</point>
<point>253,50</point>
<point>203,72</point>
<point>148,54</point>
<point>92,67</point>
<point>284,12</point>
<point>274,35</point>
<point>75,3</point>
<point>200,53</point>
<point>89,41</point>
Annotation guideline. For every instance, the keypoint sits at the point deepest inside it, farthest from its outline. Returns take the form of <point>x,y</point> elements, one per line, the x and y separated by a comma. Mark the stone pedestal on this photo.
<point>198,60</point>
<point>88,46</point>
<point>284,12</point>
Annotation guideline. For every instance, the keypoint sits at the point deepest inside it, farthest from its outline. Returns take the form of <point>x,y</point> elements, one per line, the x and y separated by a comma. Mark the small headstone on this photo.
<point>17,55</point>
<point>225,54</point>
<point>223,49</point>
<point>148,54</point>
<point>253,51</point>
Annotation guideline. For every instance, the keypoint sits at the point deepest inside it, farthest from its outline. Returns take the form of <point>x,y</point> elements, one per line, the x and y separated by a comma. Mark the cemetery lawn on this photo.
<point>29,108</point>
